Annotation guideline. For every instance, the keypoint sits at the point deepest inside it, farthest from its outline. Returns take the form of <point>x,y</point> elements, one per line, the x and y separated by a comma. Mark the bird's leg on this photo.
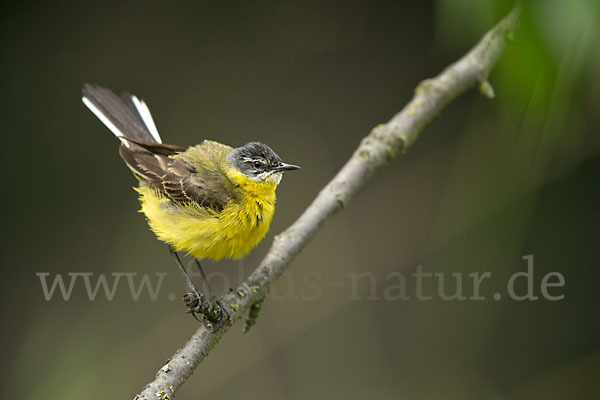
<point>215,312</point>
<point>194,299</point>
<point>205,280</point>
<point>188,280</point>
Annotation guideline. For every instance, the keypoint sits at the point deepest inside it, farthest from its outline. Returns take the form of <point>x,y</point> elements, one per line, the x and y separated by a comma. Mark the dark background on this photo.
<point>488,182</point>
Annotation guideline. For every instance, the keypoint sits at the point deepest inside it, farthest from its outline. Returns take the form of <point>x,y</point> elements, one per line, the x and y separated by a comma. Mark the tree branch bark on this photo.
<point>382,144</point>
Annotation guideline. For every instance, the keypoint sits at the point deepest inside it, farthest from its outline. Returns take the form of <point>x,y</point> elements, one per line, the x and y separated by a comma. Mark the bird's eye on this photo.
<point>257,164</point>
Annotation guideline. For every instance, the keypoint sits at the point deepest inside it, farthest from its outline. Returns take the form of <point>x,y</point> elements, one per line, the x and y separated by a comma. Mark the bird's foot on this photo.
<point>214,314</point>
<point>193,301</point>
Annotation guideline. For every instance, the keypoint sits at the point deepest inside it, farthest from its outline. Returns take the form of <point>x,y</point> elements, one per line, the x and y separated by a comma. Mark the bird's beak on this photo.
<point>286,167</point>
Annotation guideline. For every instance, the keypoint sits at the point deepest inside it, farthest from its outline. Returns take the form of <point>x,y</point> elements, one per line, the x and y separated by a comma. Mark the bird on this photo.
<point>210,201</point>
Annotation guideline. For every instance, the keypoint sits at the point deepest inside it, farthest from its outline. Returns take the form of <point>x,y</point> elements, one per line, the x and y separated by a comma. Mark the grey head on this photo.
<point>258,161</point>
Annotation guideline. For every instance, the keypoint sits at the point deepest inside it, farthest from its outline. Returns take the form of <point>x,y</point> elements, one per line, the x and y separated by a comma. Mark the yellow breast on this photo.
<point>205,233</point>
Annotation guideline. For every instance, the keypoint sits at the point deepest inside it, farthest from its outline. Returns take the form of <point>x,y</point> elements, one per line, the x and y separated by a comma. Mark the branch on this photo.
<point>376,149</point>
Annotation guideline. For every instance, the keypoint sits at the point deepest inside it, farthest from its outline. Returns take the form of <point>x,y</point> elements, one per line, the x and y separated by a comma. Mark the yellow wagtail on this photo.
<point>209,200</point>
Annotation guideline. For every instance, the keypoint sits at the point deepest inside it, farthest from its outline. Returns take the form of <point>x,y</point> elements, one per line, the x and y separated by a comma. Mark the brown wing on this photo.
<point>175,178</point>
<point>179,179</point>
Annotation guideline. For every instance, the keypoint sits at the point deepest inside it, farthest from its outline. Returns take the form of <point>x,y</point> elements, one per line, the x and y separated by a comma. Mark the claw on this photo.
<point>214,314</point>
<point>193,301</point>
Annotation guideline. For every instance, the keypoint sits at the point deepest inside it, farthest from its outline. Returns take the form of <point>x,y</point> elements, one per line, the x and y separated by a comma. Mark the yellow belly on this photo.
<point>204,233</point>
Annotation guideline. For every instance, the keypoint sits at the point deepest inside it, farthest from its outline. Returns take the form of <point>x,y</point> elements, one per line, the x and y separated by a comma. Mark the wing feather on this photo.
<point>183,175</point>
<point>178,180</point>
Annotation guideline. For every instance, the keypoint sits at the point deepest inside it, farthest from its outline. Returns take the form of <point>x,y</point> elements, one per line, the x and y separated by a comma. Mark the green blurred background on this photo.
<point>488,182</point>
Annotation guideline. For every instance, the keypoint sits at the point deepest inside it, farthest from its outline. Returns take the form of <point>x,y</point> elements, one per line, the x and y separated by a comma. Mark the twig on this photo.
<point>376,149</point>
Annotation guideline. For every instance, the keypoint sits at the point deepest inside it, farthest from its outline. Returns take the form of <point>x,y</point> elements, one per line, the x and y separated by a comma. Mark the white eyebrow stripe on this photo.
<point>146,117</point>
<point>254,159</point>
<point>104,120</point>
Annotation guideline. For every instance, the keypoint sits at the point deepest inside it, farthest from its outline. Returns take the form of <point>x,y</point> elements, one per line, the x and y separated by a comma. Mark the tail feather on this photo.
<point>126,116</point>
<point>144,112</point>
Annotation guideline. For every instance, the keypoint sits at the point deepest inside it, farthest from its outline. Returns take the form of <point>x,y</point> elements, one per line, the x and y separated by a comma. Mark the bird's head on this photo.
<point>259,162</point>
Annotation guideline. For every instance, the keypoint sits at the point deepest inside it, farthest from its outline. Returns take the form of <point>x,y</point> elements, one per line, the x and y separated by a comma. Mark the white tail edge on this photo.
<point>105,120</point>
